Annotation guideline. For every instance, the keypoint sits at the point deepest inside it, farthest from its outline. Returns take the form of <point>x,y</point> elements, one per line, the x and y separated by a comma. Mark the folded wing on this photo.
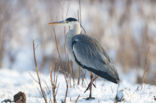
<point>90,55</point>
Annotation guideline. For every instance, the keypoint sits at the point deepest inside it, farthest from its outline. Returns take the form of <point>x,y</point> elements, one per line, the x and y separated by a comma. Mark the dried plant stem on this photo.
<point>38,77</point>
<point>53,84</point>
<point>145,65</point>
<point>78,82</point>
<point>57,48</point>
<point>77,98</point>
<point>83,78</point>
<point>146,41</point>
<point>73,76</point>
<point>66,91</point>
<point>80,11</point>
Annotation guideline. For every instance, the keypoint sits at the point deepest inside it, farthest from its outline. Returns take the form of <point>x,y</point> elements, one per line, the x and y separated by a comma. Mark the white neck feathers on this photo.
<point>76,28</point>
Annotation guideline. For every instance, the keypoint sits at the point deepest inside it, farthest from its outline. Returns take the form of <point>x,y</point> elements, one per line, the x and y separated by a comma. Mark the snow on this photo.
<point>11,82</point>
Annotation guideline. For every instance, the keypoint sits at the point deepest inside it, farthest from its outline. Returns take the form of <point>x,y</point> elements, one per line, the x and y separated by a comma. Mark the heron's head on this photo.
<point>69,21</point>
<point>72,22</point>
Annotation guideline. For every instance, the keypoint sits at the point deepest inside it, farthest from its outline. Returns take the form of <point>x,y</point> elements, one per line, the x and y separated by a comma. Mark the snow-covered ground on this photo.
<point>12,81</point>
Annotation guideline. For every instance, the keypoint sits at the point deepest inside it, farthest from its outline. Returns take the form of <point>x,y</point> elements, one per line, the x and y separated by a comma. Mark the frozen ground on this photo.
<point>12,81</point>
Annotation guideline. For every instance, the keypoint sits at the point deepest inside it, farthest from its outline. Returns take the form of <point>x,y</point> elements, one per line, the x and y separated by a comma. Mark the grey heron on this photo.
<point>87,52</point>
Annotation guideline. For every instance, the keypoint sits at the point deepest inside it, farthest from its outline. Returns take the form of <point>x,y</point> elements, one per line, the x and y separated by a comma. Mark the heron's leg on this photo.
<point>90,84</point>
<point>91,78</point>
<point>90,87</point>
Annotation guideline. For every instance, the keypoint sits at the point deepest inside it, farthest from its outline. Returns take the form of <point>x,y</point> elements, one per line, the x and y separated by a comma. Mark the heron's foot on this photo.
<point>89,98</point>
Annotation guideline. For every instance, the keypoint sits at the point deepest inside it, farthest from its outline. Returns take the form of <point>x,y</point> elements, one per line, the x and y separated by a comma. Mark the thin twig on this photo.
<point>66,91</point>
<point>53,86</point>
<point>77,98</point>
<point>38,77</point>
<point>57,48</point>
<point>79,69</point>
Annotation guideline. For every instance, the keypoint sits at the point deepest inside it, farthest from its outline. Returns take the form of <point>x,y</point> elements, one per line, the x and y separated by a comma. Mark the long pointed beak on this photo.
<point>56,22</point>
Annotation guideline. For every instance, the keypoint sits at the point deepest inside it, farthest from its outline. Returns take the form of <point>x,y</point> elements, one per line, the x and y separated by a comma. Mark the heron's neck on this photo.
<point>76,28</point>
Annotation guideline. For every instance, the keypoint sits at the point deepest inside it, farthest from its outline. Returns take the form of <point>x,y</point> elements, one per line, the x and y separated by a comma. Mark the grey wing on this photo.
<point>89,54</point>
